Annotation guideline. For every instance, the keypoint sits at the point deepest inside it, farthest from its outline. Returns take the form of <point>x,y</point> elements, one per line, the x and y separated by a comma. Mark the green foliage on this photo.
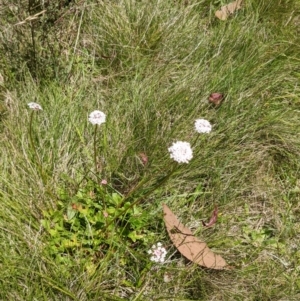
<point>150,66</point>
<point>94,221</point>
<point>32,39</point>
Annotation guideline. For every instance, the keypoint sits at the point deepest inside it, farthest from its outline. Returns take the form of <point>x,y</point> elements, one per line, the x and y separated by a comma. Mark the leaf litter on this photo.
<point>188,245</point>
<point>213,218</point>
<point>228,10</point>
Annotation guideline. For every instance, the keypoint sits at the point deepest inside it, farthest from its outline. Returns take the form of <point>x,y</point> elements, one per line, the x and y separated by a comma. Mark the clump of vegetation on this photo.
<point>93,222</point>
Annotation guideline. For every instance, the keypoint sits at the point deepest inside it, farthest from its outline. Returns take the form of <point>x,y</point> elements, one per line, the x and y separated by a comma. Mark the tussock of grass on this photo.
<point>151,67</point>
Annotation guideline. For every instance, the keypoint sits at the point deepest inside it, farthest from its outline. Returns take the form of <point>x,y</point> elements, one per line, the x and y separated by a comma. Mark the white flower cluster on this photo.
<point>181,152</point>
<point>158,253</point>
<point>203,126</point>
<point>35,106</point>
<point>97,117</point>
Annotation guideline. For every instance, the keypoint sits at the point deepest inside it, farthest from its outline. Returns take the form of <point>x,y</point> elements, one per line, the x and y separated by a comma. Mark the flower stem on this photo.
<point>39,164</point>
<point>95,152</point>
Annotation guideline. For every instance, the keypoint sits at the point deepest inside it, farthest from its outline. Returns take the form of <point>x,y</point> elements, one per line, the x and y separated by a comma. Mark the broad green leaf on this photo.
<point>116,198</point>
<point>135,236</point>
<point>70,212</point>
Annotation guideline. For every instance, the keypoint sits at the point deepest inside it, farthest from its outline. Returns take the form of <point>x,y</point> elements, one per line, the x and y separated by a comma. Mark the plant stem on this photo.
<point>95,152</point>
<point>40,167</point>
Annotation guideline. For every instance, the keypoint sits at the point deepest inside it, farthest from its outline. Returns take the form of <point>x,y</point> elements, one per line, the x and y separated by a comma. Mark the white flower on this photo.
<point>35,106</point>
<point>97,117</point>
<point>181,152</point>
<point>158,253</point>
<point>203,126</point>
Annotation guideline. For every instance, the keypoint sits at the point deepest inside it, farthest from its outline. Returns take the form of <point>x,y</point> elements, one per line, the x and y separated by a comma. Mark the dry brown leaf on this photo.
<point>188,245</point>
<point>216,98</point>
<point>228,9</point>
<point>213,218</point>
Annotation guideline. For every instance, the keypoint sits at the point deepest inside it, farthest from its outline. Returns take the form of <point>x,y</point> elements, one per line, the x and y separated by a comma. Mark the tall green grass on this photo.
<point>151,66</point>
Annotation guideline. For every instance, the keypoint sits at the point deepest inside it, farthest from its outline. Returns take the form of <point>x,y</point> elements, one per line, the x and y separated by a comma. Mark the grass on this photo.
<point>151,66</point>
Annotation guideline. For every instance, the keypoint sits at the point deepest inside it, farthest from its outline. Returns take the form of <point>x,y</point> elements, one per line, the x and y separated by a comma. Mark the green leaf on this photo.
<point>136,210</point>
<point>116,198</point>
<point>80,193</point>
<point>136,222</point>
<point>46,224</point>
<point>83,212</point>
<point>134,236</point>
<point>111,210</point>
<point>53,232</point>
<point>70,212</point>
<point>127,205</point>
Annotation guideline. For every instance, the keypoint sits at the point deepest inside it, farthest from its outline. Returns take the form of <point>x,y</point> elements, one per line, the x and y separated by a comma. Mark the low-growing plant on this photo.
<point>96,219</point>
<point>92,221</point>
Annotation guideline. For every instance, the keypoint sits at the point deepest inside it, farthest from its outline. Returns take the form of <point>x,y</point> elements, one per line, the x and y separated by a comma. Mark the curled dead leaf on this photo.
<point>189,246</point>
<point>228,9</point>
<point>216,98</point>
<point>213,218</point>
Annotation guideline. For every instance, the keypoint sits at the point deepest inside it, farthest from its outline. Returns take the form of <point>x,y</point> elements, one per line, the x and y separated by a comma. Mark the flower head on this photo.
<point>203,126</point>
<point>181,152</point>
<point>97,117</point>
<point>35,106</point>
<point>158,253</point>
<point>104,182</point>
